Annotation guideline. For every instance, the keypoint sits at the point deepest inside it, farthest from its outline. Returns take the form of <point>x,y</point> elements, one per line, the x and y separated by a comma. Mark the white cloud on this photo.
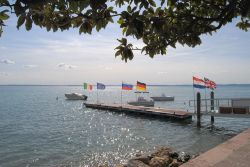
<point>30,66</point>
<point>66,66</point>
<point>7,61</point>
<point>93,57</point>
<point>91,49</point>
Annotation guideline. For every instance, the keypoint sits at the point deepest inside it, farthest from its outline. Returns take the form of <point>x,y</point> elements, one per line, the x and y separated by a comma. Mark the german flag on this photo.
<point>141,86</point>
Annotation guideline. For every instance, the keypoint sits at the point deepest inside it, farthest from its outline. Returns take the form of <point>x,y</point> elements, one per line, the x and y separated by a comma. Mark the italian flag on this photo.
<point>87,86</point>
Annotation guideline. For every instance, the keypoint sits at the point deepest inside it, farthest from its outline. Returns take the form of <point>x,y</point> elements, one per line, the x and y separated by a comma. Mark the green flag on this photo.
<point>85,86</point>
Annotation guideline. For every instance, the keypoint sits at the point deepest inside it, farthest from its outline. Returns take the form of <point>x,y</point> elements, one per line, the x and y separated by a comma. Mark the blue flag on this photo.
<point>100,86</point>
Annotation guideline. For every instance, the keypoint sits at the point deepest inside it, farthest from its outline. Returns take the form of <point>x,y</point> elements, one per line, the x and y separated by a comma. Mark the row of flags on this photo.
<point>87,86</point>
<point>139,86</point>
<point>203,83</point>
<point>197,83</point>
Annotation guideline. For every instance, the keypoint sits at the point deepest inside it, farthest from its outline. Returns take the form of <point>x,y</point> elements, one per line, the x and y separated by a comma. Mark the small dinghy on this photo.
<point>75,96</point>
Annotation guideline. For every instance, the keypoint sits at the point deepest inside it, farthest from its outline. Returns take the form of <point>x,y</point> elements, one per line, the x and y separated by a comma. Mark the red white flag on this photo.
<point>210,84</point>
<point>198,83</point>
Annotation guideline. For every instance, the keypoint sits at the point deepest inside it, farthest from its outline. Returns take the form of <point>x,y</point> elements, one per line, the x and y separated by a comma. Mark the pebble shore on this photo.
<point>162,157</point>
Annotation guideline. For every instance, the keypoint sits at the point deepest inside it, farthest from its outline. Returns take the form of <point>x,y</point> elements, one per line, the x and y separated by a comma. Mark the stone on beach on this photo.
<point>163,157</point>
<point>160,161</point>
<point>175,163</point>
<point>163,151</point>
<point>136,163</point>
<point>174,155</point>
<point>144,158</point>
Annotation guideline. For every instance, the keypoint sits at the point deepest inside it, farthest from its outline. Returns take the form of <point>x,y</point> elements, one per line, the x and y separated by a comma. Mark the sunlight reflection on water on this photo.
<point>38,130</point>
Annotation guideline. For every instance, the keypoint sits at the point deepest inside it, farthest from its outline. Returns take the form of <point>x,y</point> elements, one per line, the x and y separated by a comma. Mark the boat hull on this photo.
<point>168,98</point>
<point>73,96</point>
<point>146,103</point>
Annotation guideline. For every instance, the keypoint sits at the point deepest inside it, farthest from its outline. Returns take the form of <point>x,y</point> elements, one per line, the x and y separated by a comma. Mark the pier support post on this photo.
<point>212,119</point>
<point>212,100</point>
<point>198,109</point>
<point>212,107</point>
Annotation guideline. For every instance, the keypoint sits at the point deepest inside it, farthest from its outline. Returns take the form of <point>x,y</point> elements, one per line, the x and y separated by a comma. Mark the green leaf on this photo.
<point>3,15</point>
<point>55,28</point>
<point>20,20</point>
<point>73,5</point>
<point>124,30</point>
<point>4,1</point>
<point>18,8</point>
<point>1,30</point>
<point>118,53</point>
<point>83,4</point>
<point>129,9</point>
<point>81,29</point>
<point>48,27</point>
<point>28,23</point>
<point>120,21</point>
<point>98,26</point>
<point>152,3</point>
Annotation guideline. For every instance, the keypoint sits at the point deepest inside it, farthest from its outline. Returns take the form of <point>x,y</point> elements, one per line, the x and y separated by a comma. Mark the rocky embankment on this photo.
<point>163,157</point>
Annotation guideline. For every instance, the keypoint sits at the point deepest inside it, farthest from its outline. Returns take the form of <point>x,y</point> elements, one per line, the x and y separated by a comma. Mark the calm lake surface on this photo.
<point>38,130</point>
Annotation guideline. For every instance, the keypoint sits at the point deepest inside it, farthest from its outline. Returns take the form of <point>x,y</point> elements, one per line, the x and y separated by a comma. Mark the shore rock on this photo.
<point>174,155</point>
<point>183,157</point>
<point>175,163</point>
<point>160,161</point>
<point>145,159</point>
<point>163,157</point>
<point>136,163</point>
<point>163,151</point>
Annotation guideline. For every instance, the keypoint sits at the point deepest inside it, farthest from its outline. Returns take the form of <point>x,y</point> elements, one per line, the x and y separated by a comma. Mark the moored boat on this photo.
<point>142,102</point>
<point>75,96</point>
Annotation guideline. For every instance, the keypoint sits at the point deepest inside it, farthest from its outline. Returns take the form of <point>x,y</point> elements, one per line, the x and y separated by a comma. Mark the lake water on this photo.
<point>38,130</point>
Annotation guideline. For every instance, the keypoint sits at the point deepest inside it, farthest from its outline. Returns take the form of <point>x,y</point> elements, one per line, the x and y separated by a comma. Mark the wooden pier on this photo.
<point>151,111</point>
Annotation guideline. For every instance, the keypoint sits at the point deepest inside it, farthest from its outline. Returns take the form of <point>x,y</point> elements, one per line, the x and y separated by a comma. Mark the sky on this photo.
<point>41,57</point>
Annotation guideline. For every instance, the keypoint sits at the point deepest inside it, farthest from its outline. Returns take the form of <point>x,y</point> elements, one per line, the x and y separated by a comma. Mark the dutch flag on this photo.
<point>198,83</point>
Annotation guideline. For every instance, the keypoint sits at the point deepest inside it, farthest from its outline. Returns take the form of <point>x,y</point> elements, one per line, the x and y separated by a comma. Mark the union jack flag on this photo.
<point>210,84</point>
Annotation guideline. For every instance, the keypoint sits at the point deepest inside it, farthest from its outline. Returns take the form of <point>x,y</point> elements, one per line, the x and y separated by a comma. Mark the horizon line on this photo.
<point>230,84</point>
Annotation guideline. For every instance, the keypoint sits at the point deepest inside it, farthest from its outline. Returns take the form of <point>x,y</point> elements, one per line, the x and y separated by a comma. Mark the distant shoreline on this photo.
<point>120,85</point>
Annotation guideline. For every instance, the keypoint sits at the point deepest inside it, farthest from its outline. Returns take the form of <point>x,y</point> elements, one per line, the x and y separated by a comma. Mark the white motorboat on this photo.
<point>163,97</point>
<point>75,96</point>
<point>142,102</point>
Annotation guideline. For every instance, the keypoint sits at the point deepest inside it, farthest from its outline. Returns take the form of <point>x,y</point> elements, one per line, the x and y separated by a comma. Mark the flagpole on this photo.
<point>97,94</point>
<point>194,97</point>
<point>206,96</point>
<point>121,96</point>
<point>89,93</point>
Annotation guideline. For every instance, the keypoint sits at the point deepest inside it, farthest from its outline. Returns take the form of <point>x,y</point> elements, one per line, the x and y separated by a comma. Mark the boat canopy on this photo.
<point>141,92</point>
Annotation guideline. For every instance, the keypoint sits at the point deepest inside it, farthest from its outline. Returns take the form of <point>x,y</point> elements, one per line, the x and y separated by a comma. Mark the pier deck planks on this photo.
<point>164,113</point>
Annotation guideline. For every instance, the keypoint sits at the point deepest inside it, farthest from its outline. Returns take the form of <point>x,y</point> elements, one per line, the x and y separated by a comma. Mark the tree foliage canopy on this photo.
<point>158,23</point>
